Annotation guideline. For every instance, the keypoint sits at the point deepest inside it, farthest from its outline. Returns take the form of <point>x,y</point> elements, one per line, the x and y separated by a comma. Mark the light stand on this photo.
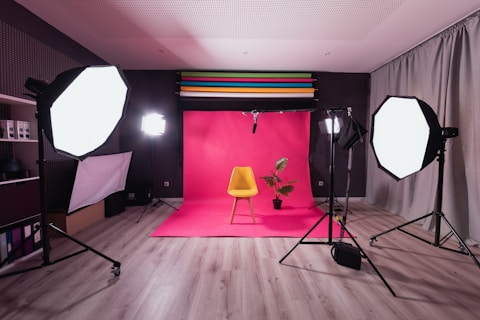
<point>437,214</point>
<point>330,214</point>
<point>401,152</point>
<point>350,134</point>
<point>347,190</point>
<point>153,125</point>
<point>331,128</point>
<point>49,101</point>
<point>327,200</point>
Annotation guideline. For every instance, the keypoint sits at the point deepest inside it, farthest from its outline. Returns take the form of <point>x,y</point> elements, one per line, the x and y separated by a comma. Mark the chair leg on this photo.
<point>233,209</point>
<point>251,210</point>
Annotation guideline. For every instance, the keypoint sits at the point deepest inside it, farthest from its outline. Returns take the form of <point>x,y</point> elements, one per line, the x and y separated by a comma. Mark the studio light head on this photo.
<point>406,135</point>
<point>36,86</point>
<point>450,132</point>
<point>153,124</point>
<point>81,108</point>
<point>337,124</point>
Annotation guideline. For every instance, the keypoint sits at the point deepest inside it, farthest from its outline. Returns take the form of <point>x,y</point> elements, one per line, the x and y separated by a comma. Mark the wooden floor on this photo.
<point>241,278</point>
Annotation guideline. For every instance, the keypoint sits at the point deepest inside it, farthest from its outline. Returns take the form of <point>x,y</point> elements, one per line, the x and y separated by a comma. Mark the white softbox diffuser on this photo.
<point>98,177</point>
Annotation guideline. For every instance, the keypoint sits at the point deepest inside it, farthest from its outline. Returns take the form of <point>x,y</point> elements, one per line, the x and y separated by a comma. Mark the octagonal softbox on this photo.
<point>405,135</point>
<point>82,107</point>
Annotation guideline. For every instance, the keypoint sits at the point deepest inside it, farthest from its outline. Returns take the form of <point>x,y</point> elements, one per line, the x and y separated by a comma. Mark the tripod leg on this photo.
<point>154,204</point>
<point>318,204</point>
<point>460,240</point>
<point>374,237</point>
<point>145,209</point>
<point>368,259</point>
<point>345,211</point>
<point>116,264</point>
<point>306,235</point>
<point>168,204</point>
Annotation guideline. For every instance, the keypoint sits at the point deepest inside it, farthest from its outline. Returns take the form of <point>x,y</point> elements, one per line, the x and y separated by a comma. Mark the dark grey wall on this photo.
<point>158,158</point>
<point>155,90</point>
<point>32,48</point>
<point>339,90</point>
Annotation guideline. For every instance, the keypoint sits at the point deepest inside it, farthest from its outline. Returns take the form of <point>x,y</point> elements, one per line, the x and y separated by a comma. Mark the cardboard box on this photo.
<point>77,221</point>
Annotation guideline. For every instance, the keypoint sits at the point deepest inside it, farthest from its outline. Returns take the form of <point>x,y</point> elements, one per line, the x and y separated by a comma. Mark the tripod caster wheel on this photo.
<point>462,248</point>
<point>116,271</point>
<point>371,241</point>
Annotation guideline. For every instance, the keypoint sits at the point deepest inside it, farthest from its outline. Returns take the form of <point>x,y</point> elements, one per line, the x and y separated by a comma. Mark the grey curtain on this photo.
<point>444,72</point>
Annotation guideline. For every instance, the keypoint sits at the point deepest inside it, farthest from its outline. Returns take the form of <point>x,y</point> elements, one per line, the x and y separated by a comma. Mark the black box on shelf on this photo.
<point>115,204</point>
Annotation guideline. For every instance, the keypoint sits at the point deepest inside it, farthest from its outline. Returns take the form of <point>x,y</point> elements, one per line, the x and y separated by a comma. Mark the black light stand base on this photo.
<point>327,200</point>
<point>154,203</point>
<point>115,268</point>
<point>338,203</point>
<point>330,215</point>
<point>437,214</point>
<point>330,242</point>
<point>116,264</point>
<point>9,274</point>
<point>302,240</point>
<point>464,249</point>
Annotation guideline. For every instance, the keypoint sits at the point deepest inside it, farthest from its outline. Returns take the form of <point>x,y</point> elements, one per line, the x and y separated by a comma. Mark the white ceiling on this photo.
<point>259,35</point>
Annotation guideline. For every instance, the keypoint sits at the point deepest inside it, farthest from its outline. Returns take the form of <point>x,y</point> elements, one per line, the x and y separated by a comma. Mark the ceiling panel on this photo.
<point>311,35</point>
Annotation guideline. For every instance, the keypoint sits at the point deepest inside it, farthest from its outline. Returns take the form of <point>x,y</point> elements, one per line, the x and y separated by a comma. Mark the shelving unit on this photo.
<point>25,150</point>
<point>20,198</point>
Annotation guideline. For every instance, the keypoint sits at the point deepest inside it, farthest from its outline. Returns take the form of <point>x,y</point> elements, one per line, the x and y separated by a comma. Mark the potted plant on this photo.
<point>275,182</point>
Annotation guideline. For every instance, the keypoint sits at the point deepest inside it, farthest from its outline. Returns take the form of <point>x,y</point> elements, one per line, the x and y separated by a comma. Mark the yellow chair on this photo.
<point>242,186</point>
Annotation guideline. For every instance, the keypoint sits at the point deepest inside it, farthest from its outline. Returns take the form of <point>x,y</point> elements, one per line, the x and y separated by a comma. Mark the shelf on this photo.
<point>24,110</point>
<point>18,180</point>
<point>18,140</point>
<point>16,101</point>
<point>25,150</point>
<point>20,198</point>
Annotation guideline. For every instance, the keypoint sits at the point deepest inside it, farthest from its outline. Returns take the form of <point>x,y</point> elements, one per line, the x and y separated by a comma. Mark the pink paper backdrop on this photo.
<point>215,142</point>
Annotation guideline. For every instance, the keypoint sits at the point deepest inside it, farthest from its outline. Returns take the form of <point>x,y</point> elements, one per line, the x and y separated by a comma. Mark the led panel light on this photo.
<point>405,136</point>
<point>336,125</point>
<point>153,124</point>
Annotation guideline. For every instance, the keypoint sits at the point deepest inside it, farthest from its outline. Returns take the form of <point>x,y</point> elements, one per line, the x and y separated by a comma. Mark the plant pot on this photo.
<point>277,204</point>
